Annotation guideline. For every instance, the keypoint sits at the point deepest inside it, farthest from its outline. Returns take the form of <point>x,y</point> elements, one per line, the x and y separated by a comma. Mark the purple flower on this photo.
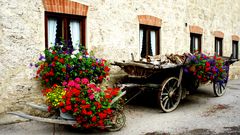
<point>41,57</point>
<point>185,70</point>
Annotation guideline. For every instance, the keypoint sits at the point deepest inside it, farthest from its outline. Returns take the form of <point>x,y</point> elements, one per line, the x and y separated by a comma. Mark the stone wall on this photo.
<point>22,39</point>
<point>118,28</point>
<point>112,33</point>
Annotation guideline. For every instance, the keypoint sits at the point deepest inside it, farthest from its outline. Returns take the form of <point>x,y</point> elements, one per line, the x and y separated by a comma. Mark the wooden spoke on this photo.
<point>165,104</point>
<point>165,94</point>
<point>175,84</point>
<point>166,97</point>
<point>168,104</point>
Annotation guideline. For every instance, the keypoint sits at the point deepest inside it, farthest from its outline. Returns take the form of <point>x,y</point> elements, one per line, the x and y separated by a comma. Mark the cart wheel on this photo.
<point>219,88</point>
<point>170,94</point>
<point>118,121</point>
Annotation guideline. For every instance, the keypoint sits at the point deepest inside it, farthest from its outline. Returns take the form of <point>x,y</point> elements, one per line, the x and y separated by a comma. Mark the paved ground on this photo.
<point>200,113</point>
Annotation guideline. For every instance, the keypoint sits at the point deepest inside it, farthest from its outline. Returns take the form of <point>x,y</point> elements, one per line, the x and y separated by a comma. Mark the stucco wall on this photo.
<point>22,38</point>
<point>118,28</point>
<point>112,33</point>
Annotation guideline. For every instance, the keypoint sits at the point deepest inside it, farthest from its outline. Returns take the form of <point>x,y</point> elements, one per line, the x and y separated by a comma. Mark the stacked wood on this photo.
<point>150,65</point>
<point>172,58</point>
<point>176,58</point>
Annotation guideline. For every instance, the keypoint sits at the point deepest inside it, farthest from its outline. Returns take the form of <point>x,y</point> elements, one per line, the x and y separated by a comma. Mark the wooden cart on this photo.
<point>118,118</point>
<point>172,82</point>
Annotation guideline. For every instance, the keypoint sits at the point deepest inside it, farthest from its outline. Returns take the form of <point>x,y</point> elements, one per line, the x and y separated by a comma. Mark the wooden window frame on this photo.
<point>149,28</point>
<point>221,46</point>
<point>235,43</point>
<point>65,18</point>
<point>192,43</point>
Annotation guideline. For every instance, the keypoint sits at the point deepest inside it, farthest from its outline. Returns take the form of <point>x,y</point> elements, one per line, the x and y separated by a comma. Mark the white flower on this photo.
<point>75,52</point>
<point>73,56</point>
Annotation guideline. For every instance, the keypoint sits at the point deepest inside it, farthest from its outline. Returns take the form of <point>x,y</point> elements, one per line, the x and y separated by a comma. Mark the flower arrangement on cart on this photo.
<point>208,69</point>
<point>74,82</point>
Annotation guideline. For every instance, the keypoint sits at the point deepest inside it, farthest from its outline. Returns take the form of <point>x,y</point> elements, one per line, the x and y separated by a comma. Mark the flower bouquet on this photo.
<point>73,83</point>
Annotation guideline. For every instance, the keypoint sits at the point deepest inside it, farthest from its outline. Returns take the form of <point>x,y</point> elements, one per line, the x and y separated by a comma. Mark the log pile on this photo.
<point>150,65</point>
<point>163,59</point>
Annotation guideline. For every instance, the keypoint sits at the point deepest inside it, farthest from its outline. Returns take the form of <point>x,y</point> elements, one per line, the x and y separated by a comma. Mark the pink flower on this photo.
<point>91,97</point>
<point>64,83</point>
<point>97,89</point>
<point>71,83</point>
<point>89,91</point>
<point>77,85</point>
<point>91,85</point>
<point>85,81</point>
<point>77,80</point>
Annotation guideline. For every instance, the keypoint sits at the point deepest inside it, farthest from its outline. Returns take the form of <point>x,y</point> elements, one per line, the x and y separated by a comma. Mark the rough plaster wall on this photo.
<point>21,32</point>
<point>112,33</point>
<point>114,27</point>
<point>218,15</point>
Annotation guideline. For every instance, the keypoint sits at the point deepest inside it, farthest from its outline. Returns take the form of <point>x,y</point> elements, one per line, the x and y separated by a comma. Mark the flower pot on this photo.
<point>66,115</point>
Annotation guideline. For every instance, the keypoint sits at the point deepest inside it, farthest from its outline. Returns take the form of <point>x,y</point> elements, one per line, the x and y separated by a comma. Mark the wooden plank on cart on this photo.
<point>47,120</point>
<point>116,98</point>
<point>39,107</point>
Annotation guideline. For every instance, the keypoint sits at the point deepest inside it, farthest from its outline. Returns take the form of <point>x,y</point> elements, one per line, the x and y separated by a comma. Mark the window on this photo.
<point>195,42</point>
<point>235,49</point>
<point>149,40</point>
<point>218,46</point>
<point>71,28</point>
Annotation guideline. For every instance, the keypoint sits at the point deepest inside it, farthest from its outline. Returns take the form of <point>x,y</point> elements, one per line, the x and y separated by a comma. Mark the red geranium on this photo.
<point>88,111</point>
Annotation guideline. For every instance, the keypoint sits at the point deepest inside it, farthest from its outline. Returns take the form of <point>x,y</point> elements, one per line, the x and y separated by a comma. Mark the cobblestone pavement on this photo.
<point>198,114</point>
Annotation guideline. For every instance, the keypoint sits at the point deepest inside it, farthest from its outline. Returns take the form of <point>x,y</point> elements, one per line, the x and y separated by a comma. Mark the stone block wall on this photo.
<point>112,32</point>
